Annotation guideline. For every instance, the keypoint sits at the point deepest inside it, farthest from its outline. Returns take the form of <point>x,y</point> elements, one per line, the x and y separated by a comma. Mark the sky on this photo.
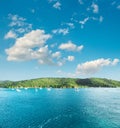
<point>59,38</point>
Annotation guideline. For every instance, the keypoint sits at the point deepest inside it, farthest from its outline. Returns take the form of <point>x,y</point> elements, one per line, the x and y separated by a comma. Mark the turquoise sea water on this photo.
<point>60,108</point>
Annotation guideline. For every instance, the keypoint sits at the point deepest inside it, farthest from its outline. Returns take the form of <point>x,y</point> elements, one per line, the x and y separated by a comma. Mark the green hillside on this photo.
<point>61,83</point>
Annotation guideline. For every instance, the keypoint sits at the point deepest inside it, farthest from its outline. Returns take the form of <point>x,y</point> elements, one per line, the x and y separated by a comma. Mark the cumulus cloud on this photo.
<point>44,56</point>
<point>92,67</point>
<point>24,47</point>
<point>57,5</point>
<point>61,62</point>
<point>10,34</point>
<point>95,8</point>
<point>56,55</point>
<point>32,46</point>
<point>115,61</point>
<point>53,45</point>
<point>69,46</point>
<point>70,58</point>
<point>63,31</point>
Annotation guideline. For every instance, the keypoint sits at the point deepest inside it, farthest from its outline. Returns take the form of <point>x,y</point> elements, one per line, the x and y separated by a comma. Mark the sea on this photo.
<point>60,108</point>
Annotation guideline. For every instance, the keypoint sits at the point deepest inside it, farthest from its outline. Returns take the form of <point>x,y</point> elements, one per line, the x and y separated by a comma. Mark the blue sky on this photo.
<point>59,38</point>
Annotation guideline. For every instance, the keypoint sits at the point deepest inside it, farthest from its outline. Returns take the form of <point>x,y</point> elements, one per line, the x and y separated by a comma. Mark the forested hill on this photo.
<point>61,83</point>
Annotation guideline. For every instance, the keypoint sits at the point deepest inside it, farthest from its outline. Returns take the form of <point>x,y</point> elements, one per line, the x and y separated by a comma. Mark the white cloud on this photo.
<point>10,34</point>
<point>115,61</point>
<point>71,25</point>
<point>44,56</point>
<point>16,17</point>
<point>21,30</point>
<point>16,20</point>
<point>63,31</point>
<point>92,67</point>
<point>53,45</point>
<point>69,46</point>
<point>24,47</point>
<point>100,19</point>
<point>57,5</point>
<point>19,23</point>
<point>81,2</point>
<point>32,46</point>
<point>83,22</point>
<point>95,8</point>
<point>56,55</point>
<point>118,7</point>
<point>61,62</point>
<point>70,58</point>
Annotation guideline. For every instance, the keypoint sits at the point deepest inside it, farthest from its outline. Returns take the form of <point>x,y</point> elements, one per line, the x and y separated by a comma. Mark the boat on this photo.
<point>40,88</point>
<point>49,89</point>
<point>18,90</point>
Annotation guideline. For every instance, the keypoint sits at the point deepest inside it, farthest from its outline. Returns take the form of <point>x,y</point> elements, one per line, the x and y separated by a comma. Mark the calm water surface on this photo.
<point>60,108</point>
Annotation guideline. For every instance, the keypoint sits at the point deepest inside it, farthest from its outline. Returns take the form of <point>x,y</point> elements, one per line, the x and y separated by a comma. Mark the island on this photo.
<point>60,83</point>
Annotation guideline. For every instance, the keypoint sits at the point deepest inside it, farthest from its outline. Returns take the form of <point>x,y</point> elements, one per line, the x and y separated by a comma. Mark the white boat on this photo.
<point>49,89</point>
<point>40,88</point>
<point>18,90</point>
<point>25,88</point>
